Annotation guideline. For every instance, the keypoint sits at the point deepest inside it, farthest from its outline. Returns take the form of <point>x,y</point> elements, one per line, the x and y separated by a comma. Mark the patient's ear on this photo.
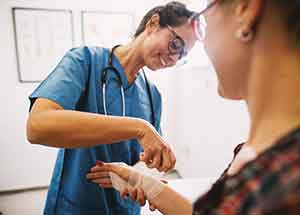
<point>248,14</point>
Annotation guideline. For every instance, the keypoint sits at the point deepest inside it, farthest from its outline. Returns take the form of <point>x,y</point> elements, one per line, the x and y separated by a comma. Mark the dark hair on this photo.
<point>290,11</point>
<point>173,14</point>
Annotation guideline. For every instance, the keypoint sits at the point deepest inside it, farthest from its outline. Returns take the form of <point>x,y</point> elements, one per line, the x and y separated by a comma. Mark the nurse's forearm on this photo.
<point>69,129</point>
<point>169,202</point>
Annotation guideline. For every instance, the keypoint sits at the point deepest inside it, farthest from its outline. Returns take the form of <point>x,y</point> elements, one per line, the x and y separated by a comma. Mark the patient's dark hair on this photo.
<point>173,14</point>
<point>289,10</point>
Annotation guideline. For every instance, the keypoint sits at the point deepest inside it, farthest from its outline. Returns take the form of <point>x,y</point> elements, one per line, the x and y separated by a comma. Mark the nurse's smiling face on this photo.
<point>164,46</point>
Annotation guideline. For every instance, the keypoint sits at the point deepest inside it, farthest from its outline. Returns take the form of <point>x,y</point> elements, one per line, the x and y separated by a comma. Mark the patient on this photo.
<point>254,46</point>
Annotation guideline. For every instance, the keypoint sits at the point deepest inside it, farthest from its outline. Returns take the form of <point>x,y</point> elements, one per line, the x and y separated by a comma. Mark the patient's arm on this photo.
<point>164,198</point>
<point>171,202</point>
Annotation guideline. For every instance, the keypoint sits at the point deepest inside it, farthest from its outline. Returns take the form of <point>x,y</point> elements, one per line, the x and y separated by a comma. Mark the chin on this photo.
<point>227,95</point>
<point>153,67</point>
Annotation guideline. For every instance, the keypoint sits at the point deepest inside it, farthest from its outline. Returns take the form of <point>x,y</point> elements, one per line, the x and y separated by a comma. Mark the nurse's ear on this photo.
<point>153,24</point>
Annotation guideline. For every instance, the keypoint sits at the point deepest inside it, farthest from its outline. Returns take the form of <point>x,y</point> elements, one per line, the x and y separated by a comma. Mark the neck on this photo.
<point>130,59</point>
<point>273,92</point>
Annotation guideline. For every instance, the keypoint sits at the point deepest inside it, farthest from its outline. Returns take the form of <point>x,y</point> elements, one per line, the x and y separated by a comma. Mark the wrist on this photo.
<point>141,128</point>
<point>151,186</point>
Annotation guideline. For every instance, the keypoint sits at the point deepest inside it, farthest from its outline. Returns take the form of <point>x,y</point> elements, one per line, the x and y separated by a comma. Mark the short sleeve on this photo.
<point>67,81</point>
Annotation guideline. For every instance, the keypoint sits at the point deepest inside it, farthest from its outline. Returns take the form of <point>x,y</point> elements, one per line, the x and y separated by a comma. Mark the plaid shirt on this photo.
<point>269,185</point>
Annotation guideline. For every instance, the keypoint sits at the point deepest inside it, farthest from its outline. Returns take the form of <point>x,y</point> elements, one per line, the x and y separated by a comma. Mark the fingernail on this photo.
<point>99,162</point>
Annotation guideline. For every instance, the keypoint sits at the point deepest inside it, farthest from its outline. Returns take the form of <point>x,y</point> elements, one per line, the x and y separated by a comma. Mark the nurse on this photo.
<point>88,121</point>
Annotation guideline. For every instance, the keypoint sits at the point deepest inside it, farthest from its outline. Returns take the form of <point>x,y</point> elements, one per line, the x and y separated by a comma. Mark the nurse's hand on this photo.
<point>157,153</point>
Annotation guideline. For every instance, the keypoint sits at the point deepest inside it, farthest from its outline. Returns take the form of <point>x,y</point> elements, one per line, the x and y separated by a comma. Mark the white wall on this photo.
<point>24,165</point>
<point>201,126</point>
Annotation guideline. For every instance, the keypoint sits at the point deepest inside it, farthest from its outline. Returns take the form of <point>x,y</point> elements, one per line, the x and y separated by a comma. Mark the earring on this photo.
<point>244,36</point>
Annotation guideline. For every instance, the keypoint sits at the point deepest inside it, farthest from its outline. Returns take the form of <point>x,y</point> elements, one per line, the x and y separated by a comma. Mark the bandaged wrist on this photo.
<point>117,182</point>
<point>152,187</point>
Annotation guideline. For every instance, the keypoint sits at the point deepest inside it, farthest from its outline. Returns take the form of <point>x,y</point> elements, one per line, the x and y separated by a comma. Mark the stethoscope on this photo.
<point>111,68</point>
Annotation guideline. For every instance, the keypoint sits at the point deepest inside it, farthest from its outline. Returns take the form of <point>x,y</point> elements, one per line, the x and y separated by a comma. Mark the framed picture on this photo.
<point>42,37</point>
<point>106,29</point>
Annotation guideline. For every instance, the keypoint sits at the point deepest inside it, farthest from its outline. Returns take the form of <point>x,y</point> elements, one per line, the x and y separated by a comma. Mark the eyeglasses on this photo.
<point>176,44</point>
<point>198,21</point>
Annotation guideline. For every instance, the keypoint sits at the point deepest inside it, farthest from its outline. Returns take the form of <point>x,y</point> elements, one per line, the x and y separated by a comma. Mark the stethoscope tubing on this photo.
<point>110,67</point>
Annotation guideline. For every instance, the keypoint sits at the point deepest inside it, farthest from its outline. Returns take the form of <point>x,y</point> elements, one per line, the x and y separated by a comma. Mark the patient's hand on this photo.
<point>137,194</point>
<point>99,173</point>
<point>127,180</point>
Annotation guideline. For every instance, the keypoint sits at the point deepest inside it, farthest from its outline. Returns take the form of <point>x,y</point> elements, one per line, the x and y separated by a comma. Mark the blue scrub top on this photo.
<point>75,84</point>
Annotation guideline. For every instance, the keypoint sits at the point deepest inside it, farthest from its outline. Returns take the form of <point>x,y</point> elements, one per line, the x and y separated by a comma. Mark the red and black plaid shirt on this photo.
<point>269,185</point>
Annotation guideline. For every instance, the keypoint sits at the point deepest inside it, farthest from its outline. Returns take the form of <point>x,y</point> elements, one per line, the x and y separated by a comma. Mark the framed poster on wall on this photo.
<point>106,29</point>
<point>42,37</point>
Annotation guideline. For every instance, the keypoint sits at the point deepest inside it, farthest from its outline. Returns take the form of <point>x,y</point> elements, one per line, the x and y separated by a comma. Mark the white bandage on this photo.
<point>117,182</point>
<point>151,186</point>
